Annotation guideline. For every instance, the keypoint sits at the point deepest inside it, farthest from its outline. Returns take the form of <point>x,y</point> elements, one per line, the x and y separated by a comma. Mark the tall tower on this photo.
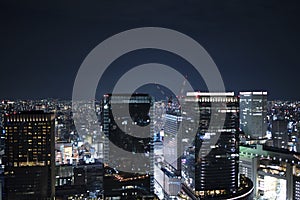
<point>29,155</point>
<point>172,137</point>
<point>210,169</point>
<point>253,106</point>
<point>127,122</point>
<point>168,170</point>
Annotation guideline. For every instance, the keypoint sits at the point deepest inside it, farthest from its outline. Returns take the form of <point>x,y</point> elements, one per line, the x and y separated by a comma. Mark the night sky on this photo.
<point>255,44</point>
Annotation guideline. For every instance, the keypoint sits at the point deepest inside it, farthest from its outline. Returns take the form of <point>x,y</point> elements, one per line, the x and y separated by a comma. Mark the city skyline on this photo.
<point>269,159</point>
<point>254,44</point>
<point>172,99</point>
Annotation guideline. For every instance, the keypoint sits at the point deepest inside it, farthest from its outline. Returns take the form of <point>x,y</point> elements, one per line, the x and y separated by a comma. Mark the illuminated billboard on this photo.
<point>270,187</point>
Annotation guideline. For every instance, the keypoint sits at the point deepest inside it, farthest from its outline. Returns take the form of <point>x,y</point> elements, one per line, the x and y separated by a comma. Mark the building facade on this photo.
<point>168,172</point>
<point>128,147</point>
<point>210,169</point>
<point>253,106</point>
<point>29,155</point>
<point>280,135</point>
<point>172,138</point>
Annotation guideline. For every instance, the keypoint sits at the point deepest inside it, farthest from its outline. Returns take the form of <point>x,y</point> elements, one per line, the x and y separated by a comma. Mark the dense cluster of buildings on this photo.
<point>203,146</point>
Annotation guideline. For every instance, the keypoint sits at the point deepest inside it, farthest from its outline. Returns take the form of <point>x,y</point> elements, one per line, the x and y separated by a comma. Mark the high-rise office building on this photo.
<point>280,135</point>
<point>210,169</point>
<point>248,165</point>
<point>168,170</point>
<point>253,106</point>
<point>29,155</point>
<point>128,147</point>
<point>172,137</point>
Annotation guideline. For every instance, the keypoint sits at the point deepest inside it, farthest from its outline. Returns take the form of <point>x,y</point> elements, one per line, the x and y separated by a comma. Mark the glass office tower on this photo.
<point>253,106</point>
<point>210,169</point>
<point>172,137</point>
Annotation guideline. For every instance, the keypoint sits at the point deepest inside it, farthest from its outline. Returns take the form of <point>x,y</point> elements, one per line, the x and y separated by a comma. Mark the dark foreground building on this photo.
<point>79,181</point>
<point>29,156</point>
<point>128,150</point>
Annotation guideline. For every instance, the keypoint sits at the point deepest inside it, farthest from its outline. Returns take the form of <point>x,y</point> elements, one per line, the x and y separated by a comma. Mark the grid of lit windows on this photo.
<point>253,106</point>
<point>204,163</point>
<point>296,188</point>
<point>28,140</point>
<point>29,155</point>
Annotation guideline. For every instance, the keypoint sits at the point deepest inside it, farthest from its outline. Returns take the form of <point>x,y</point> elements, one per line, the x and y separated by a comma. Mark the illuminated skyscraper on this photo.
<point>29,155</point>
<point>172,137</point>
<point>168,171</point>
<point>253,106</point>
<point>210,169</point>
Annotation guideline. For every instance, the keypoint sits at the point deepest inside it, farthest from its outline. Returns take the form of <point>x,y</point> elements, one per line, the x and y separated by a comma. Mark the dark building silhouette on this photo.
<point>128,150</point>
<point>80,180</point>
<point>280,135</point>
<point>29,155</point>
